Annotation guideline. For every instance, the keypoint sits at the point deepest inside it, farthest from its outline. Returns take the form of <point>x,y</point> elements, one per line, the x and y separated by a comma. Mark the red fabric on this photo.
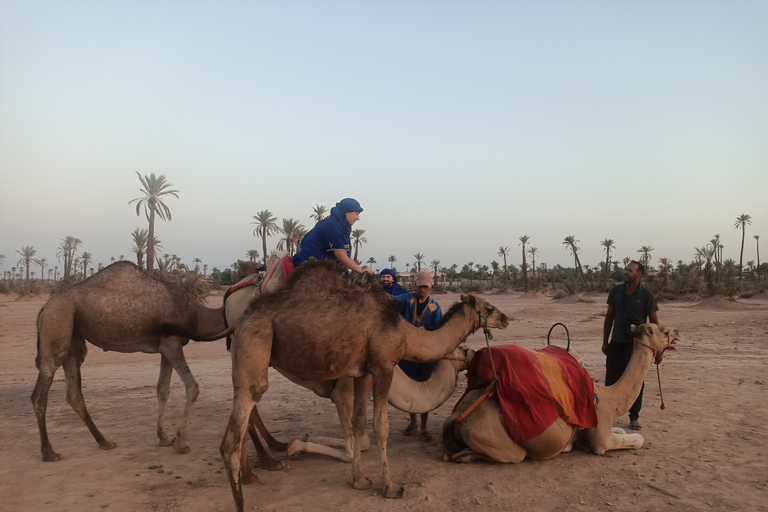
<point>535,388</point>
<point>287,266</point>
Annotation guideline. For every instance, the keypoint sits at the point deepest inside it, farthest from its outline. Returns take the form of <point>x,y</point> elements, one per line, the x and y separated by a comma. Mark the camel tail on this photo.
<point>216,336</point>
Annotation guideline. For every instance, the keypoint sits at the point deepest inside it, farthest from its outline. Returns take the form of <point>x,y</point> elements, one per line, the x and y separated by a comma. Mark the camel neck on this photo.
<point>623,393</point>
<point>422,346</point>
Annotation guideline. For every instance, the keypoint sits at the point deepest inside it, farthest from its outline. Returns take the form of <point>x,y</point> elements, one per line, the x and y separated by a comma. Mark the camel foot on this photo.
<point>305,438</point>
<point>295,447</point>
<point>166,441</point>
<point>51,456</point>
<point>394,492</point>
<point>362,484</point>
<point>248,479</point>
<point>270,464</point>
<point>181,448</point>
<point>446,457</point>
<point>107,445</point>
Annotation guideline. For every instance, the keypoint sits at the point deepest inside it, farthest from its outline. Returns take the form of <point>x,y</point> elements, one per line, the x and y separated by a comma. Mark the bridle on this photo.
<point>658,355</point>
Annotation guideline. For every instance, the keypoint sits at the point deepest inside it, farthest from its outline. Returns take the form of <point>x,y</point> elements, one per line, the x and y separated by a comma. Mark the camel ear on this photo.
<point>633,328</point>
<point>463,297</point>
<point>649,329</point>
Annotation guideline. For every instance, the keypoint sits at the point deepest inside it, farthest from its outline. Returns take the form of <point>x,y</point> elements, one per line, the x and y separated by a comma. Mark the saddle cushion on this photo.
<point>535,388</point>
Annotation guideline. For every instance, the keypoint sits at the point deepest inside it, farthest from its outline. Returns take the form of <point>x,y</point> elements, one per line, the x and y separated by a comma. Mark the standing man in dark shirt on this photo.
<point>628,304</point>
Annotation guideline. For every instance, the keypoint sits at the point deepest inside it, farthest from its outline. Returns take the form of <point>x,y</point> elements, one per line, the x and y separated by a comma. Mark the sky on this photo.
<point>458,126</point>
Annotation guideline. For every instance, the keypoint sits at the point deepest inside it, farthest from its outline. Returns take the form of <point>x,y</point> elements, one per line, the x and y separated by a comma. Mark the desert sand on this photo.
<point>708,450</point>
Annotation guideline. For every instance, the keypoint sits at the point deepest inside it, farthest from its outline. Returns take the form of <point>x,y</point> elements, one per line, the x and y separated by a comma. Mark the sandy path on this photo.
<point>707,451</point>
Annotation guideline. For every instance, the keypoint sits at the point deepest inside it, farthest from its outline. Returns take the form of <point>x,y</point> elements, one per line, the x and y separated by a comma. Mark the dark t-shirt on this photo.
<point>630,309</point>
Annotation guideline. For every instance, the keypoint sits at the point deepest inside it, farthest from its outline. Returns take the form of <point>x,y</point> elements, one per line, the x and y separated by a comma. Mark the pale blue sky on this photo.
<point>459,126</point>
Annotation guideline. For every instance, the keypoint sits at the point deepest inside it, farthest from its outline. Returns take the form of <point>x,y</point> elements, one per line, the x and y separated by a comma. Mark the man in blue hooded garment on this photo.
<point>329,239</point>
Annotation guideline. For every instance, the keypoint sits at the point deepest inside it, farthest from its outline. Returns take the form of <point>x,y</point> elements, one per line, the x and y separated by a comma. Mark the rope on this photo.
<point>489,389</point>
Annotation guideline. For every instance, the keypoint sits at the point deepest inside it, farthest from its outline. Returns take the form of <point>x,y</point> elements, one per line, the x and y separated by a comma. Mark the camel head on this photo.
<point>463,355</point>
<point>488,316</point>
<point>657,338</point>
<point>247,268</point>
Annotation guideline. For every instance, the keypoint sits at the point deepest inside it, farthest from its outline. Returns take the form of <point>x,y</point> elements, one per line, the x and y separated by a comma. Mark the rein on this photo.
<point>489,389</point>
<point>657,357</point>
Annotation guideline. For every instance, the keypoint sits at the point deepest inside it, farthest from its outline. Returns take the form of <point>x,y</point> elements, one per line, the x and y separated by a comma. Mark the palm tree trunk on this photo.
<point>741,254</point>
<point>151,239</point>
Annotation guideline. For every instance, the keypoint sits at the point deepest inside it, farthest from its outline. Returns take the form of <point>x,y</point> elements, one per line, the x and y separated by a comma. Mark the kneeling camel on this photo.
<point>482,434</point>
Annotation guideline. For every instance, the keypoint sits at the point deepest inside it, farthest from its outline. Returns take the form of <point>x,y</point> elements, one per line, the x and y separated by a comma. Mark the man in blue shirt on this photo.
<point>628,303</point>
<point>329,239</point>
<point>420,310</point>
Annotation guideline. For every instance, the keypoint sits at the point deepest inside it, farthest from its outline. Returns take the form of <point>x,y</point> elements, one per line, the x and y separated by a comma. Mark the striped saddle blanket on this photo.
<point>535,388</point>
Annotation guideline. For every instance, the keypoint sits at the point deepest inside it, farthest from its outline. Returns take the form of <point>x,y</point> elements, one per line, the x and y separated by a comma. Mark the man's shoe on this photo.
<point>635,425</point>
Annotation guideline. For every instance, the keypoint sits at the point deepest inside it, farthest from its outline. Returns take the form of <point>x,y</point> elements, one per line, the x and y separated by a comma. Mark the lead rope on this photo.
<point>657,359</point>
<point>489,389</point>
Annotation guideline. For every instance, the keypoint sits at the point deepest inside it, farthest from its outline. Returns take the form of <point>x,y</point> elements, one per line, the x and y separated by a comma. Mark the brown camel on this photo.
<point>405,394</point>
<point>322,326</point>
<point>482,435</point>
<point>123,310</point>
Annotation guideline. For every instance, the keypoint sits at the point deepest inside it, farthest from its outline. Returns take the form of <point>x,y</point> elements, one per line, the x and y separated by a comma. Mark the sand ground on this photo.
<point>707,451</point>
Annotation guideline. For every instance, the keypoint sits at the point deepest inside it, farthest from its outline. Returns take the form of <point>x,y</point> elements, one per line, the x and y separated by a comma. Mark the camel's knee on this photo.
<point>257,390</point>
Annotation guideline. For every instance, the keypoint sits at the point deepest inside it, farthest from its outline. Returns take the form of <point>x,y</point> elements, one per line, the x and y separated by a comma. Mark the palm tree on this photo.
<point>371,262</point>
<point>2,258</point>
<point>140,245</point>
<point>28,256</point>
<point>154,188</point>
<point>533,251</point>
<point>319,212</point>
<point>55,272</point>
<point>289,241</point>
<point>357,240</point>
<point>435,264</point>
<point>504,252</point>
<point>392,261</point>
<point>570,243</point>
<point>664,265</point>
<point>419,258</point>
<point>646,258</point>
<point>608,244</point>
<point>741,222</point>
<point>757,242</point>
<point>42,268</point>
<point>707,253</point>
<point>85,259</point>
<point>252,254</point>
<point>205,269</point>
<point>266,225</point>
<point>524,267</point>
<point>198,261</point>
<point>67,249</point>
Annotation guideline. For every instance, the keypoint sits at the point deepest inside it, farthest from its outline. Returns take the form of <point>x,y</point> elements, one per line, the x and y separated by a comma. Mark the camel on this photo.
<point>405,394</point>
<point>482,434</point>
<point>123,310</point>
<point>322,326</point>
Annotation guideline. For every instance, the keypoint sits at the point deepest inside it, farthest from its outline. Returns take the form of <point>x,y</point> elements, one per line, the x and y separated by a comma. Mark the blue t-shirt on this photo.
<point>329,235</point>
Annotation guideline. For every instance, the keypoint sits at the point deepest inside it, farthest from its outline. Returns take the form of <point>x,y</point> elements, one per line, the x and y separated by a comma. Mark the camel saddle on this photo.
<point>535,388</point>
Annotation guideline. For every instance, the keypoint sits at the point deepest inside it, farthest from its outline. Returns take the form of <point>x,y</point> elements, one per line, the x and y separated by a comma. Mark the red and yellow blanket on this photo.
<point>535,388</point>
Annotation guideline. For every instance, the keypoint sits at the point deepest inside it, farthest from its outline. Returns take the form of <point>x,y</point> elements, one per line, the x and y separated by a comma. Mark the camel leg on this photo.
<point>40,404</point>
<point>75,399</point>
<point>343,397</point>
<point>266,461</point>
<point>622,441</point>
<point>163,391</point>
<point>382,380</point>
<point>250,380</point>
<point>255,422</point>
<point>233,445</point>
<point>359,424</point>
<point>171,348</point>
